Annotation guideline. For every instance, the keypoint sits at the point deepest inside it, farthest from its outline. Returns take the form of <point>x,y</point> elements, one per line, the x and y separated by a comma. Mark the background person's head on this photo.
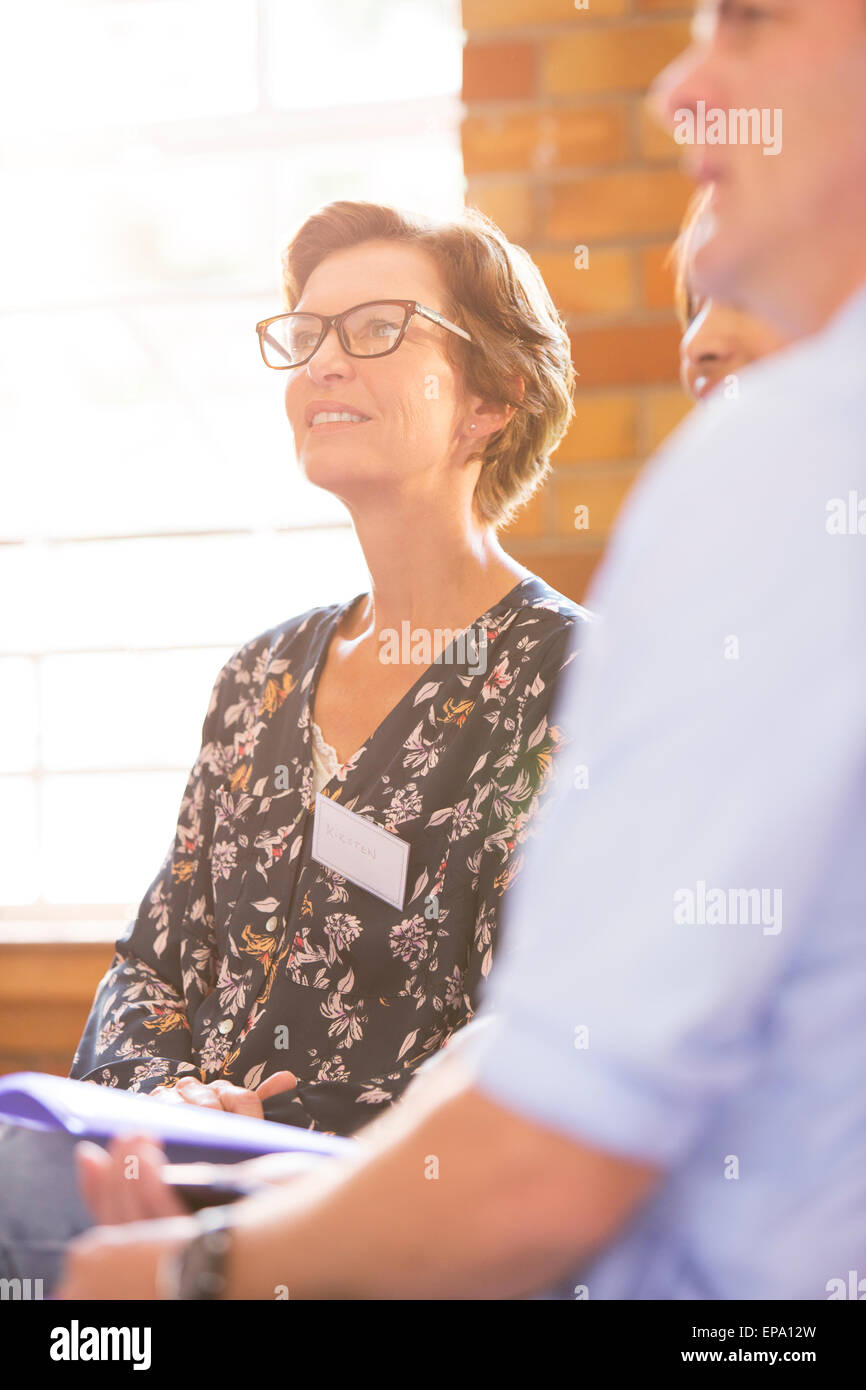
<point>446,419</point>
<point>719,339</point>
<point>789,230</point>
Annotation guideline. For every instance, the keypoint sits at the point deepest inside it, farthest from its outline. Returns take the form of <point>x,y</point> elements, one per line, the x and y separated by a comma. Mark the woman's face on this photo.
<point>415,416</point>
<point>719,342</point>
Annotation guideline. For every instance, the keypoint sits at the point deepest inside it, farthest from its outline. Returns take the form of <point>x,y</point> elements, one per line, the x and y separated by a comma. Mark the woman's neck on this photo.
<point>431,576</point>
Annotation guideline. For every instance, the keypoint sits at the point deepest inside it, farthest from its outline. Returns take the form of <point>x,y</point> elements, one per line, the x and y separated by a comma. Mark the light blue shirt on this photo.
<point>683,978</point>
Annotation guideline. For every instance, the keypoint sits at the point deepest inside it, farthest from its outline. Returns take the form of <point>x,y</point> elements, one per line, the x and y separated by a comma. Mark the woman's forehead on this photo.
<point>392,270</point>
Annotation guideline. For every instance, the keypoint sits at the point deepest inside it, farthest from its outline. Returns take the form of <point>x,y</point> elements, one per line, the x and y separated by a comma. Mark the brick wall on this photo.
<point>558,149</point>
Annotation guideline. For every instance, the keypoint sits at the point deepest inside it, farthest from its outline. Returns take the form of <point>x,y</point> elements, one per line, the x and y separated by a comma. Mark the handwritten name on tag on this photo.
<point>362,852</point>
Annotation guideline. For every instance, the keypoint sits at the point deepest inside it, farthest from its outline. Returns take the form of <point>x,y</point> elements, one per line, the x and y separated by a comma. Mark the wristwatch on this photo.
<point>198,1271</point>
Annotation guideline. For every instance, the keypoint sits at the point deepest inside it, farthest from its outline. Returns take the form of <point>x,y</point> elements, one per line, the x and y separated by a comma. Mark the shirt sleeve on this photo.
<point>137,1034</point>
<point>719,709</point>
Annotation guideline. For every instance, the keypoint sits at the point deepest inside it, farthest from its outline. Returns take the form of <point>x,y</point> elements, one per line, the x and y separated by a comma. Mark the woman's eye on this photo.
<point>380,328</point>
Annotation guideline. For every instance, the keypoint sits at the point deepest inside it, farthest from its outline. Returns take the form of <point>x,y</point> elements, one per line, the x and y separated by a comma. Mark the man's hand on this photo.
<point>109,1263</point>
<point>126,1183</point>
<point>224,1095</point>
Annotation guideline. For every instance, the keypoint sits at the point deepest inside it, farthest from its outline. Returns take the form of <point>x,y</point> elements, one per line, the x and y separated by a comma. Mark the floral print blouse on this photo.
<point>248,957</point>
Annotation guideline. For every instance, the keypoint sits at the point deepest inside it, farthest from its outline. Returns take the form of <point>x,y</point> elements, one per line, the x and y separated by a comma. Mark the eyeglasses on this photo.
<point>366,330</point>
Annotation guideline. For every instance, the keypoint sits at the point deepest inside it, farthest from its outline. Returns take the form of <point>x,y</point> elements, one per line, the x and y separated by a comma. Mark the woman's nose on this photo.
<point>706,352</point>
<point>330,361</point>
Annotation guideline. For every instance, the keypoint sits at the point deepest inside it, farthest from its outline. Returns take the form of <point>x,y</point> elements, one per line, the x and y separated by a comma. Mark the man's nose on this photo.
<point>681,85</point>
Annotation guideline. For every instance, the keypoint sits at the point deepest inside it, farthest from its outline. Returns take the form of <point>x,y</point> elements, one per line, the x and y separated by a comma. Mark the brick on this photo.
<point>510,14</point>
<point>609,60</point>
<point>657,276</point>
<point>664,7</point>
<point>604,287</point>
<point>498,71</point>
<point>655,143</point>
<point>530,519</point>
<point>566,568</point>
<point>665,410</point>
<point>631,355</point>
<point>604,428</point>
<point>641,202</point>
<point>543,139</point>
<point>509,204</point>
<point>602,493</point>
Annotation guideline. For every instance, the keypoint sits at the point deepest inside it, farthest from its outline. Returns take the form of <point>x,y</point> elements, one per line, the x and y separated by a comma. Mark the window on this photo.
<point>158,155</point>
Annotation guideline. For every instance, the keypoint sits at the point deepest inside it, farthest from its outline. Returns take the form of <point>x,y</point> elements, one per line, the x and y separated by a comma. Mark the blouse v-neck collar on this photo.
<point>435,669</point>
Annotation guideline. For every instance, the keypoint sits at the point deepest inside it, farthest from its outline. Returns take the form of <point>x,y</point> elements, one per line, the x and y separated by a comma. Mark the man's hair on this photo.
<point>495,291</point>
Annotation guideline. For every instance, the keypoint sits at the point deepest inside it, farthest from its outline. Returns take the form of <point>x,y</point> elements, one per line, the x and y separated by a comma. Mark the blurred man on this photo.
<point>719,340</point>
<point>670,1103</point>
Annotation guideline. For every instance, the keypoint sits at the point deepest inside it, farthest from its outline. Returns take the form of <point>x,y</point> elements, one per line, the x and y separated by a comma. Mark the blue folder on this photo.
<point>188,1132</point>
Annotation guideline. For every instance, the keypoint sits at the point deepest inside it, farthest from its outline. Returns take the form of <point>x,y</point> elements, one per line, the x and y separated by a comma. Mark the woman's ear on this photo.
<point>485,418</point>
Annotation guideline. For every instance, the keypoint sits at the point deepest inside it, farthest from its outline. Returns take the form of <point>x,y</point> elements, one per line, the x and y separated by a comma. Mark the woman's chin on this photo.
<point>336,474</point>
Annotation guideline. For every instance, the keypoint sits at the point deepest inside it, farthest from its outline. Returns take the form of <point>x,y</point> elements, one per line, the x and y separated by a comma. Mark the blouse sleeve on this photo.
<point>137,1035</point>
<point>526,771</point>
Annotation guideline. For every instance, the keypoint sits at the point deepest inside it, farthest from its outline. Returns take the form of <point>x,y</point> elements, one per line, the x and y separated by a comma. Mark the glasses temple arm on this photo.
<point>278,346</point>
<point>443,322</point>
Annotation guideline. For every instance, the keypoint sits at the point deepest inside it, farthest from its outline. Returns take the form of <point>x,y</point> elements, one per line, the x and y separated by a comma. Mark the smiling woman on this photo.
<point>430,410</point>
<point>273,964</point>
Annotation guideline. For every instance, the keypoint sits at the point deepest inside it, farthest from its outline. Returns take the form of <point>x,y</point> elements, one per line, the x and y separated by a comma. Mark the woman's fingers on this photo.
<point>194,1093</point>
<point>225,1095</point>
<point>166,1093</point>
<point>273,1085</point>
<point>237,1099</point>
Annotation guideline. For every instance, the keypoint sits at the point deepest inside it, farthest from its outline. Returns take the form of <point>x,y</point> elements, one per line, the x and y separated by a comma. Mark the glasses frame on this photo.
<point>329,321</point>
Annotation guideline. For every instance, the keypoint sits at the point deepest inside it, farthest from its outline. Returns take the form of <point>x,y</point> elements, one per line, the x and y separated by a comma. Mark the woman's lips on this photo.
<point>331,426</point>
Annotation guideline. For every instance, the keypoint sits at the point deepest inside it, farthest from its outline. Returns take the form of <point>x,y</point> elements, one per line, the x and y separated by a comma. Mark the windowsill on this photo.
<point>59,933</point>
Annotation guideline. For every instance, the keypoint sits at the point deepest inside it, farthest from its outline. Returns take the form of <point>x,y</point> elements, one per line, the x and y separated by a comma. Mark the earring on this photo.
<point>472,427</point>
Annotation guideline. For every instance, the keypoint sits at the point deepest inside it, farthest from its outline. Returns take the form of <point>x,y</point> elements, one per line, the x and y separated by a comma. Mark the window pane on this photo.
<point>422,171</point>
<point>161,419</point>
<point>19,713</point>
<point>156,157</point>
<point>208,590</point>
<point>134,709</point>
<point>367,50</point>
<point>18,835</point>
<point>121,64</point>
<point>105,836</point>
<point>133,224</point>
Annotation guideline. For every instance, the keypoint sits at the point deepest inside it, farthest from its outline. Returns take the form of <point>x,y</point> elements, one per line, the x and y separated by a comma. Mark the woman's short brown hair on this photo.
<point>497,294</point>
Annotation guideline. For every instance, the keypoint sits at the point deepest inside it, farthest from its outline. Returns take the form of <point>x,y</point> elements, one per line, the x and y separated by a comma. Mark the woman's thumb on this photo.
<point>273,1085</point>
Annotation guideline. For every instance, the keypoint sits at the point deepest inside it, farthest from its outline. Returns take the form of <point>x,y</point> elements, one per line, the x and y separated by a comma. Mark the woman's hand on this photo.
<point>223,1095</point>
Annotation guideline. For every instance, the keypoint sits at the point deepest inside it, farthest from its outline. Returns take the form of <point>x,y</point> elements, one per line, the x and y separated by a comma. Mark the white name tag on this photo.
<point>362,852</point>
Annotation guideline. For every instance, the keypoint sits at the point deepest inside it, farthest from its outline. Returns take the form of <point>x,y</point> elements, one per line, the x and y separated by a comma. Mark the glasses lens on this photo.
<point>290,339</point>
<point>373,328</point>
